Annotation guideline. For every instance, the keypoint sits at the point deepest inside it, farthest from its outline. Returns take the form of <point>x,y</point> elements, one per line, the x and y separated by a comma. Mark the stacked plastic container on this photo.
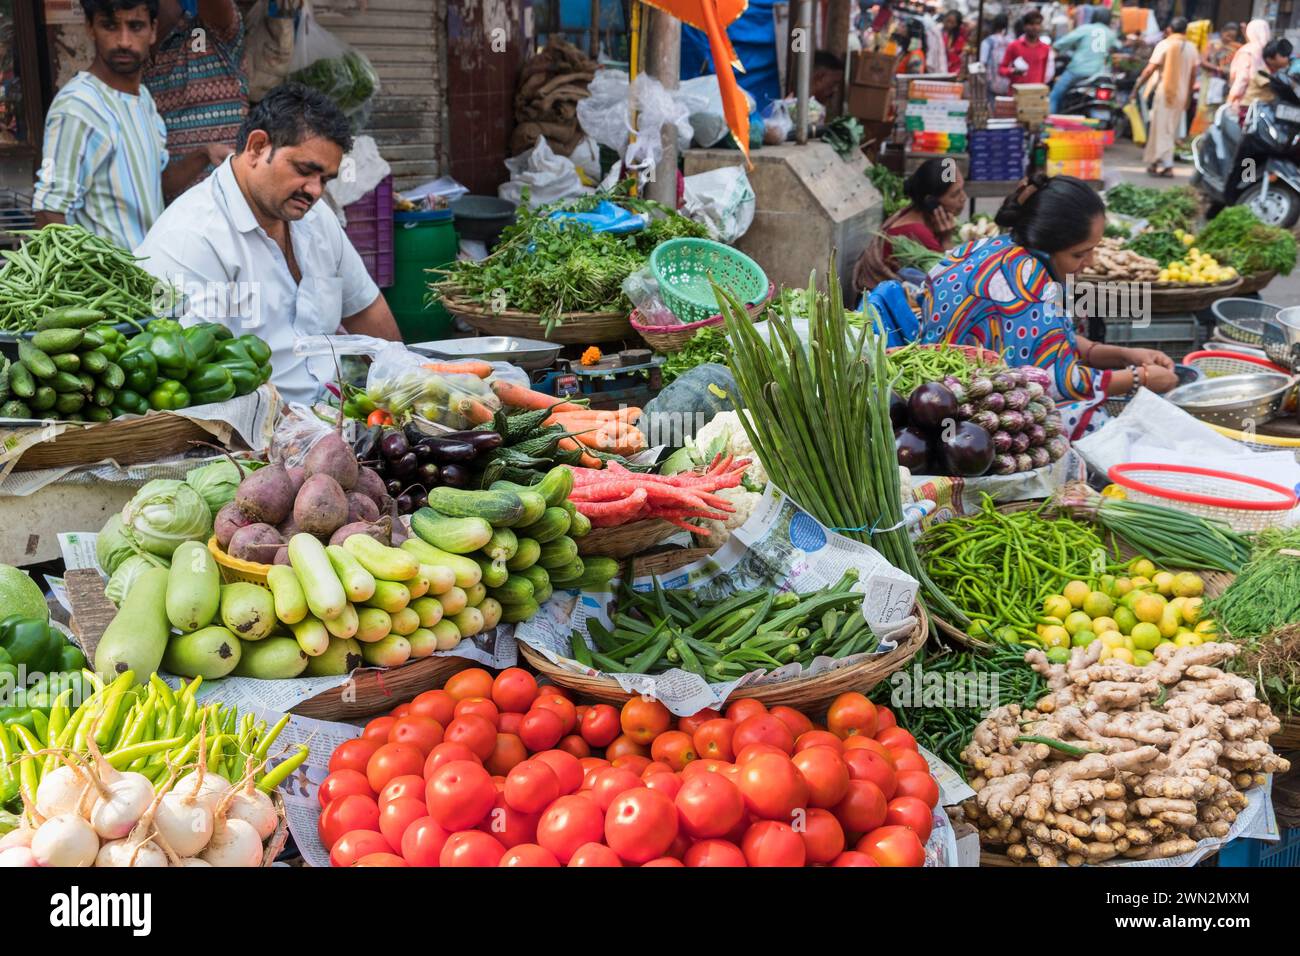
<point>370,229</point>
<point>936,117</point>
<point>997,153</point>
<point>1076,152</point>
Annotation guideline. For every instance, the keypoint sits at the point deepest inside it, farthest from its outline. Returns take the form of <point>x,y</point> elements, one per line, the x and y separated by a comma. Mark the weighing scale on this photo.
<point>629,378</point>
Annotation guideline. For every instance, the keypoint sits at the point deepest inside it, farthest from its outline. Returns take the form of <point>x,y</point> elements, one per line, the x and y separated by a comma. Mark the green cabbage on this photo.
<point>127,573</point>
<point>112,546</point>
<point>164,514</point>
<point>217,483</point>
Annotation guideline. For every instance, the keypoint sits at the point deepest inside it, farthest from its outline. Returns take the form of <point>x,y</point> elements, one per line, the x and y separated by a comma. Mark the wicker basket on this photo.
<point>234,570</point>
<point>374,691</point>
<point>626,540</point>
<point>1288,738</point>
<point>811,695</point>
<point>686,270</point>
<point>673,338</point>
<point>1256,281</point>
<point>573,328</point>
<point>1168,297</point>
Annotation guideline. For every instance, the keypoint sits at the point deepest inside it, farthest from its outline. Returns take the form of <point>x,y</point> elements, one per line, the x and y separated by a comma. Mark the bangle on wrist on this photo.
<point>1135,384</point>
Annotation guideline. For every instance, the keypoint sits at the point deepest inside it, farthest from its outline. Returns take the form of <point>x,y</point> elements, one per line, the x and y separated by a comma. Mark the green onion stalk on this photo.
<point>819,422</point>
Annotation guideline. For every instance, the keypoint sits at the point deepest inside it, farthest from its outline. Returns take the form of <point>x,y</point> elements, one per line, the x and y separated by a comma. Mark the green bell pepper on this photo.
<point>130,402</point>
<point>219,331</point>
<point>174,354</point>
<point>23,716</point>
<point>115,343</point>
<point>141,370</point>
<point>164,326</point>
<point>358,405</point>
<point>32,643</point>
<point>169,396</point>
<point>71,658</point>
<point>245,375</point>
<point>265,372</point>
<point>210,384</point>
<point>203,342</point>
<point>257,350</point>
<point>233,350</point>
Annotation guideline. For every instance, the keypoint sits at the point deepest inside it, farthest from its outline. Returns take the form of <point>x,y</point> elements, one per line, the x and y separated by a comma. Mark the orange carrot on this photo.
<point>587,461</point>
<point>473,367</point>
<point>519,397</point>
<point>475,411</point>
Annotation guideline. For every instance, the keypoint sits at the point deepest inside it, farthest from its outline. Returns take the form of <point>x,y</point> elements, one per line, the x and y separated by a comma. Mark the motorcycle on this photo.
<point>1255,163</point>
<point>1095,97</point>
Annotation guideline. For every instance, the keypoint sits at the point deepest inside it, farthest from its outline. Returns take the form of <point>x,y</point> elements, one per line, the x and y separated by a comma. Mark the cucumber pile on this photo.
<point>62,371</point>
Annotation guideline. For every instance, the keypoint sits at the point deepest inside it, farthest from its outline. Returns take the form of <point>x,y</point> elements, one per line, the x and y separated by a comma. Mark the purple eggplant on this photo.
<point>1004,465</point>
<point>980,387</point>
<point>1037,435</point>
<point>931,405</point>
<point>394,445</point>
<point>447,450</point>
<point>1032,373</point>
<point>957,388</point>
<point>1020,443</point>
<point>994,403</point>
<point>1024,462</point>
<point>1035,390</point>
<point>1004,382</point>
<point>481,439</point>
<point>1040,457</point>
<point>1052,426</point>
<point>897,410</point>
<point>1057,447</point>
<point>1002,442</point>
<point>985,420</point>
<point>456,476</point>
<point>1011,421</point>
<point>1038,411</point>
<point>405,466</point>
<point>966,411</point>
<point>1017,399</point>
<point>913,450</point>
<point>967,450</point>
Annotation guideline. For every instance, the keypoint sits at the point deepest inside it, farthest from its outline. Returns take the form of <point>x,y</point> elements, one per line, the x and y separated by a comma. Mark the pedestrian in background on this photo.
<point>1247,61</point>
<point>992,48</point>
<point>1177,59</point>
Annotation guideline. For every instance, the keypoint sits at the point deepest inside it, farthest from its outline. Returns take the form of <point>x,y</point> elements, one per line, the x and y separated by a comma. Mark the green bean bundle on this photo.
<point>1266,594</point>
<point>915,364</point>
<point>61,266</point>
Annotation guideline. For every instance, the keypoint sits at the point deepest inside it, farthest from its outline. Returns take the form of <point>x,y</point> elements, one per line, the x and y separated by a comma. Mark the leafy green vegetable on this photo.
<point>709,344</point>
<point>890,186</point>
<point>1164,247</point>
<point>908,252</point>
<point>1237,238</point>
<point>844,135</point>
<point>165,513</point>
<point>1170,209</point>
<point>349,80</point>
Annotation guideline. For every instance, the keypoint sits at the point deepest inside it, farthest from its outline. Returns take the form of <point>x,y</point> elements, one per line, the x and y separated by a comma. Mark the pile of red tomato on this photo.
<point>501,772</point>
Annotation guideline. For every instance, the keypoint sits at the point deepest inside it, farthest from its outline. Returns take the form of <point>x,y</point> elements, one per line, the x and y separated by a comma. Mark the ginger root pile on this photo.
<point>1143,761</point>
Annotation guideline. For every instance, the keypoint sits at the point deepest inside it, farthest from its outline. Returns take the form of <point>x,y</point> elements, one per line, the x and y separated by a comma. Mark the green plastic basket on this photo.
<point>686,268</point>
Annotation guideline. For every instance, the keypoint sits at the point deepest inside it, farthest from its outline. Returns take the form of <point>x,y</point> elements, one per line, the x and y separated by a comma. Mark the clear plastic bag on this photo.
<point>326,63</point>
<point>399,381</point>
<point>642,289</point>
<point>298,429</point>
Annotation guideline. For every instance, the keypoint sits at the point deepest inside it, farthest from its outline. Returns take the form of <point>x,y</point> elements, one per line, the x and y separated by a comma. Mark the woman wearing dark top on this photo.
<point>936,195</point>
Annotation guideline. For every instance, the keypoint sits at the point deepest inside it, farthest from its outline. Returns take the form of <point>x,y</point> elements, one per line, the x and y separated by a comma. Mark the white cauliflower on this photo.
<point>720,531</point>
<point>727,426</point>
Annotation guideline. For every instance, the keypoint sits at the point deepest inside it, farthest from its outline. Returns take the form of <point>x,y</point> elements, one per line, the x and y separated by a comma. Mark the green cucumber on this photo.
<point>341,658</point>
<point>37,362</point>
<point>596,573</point>
<point>69,317</point>
<point>534,507</point>
<point>58,341</point>
<point>494,572</point>
<point>499,508</point>
<point>193,587</point>
<point>568,575</point>
<point>67,362</point>
<point>526,555</point>
<point>383,562</point>
<point>392,651</point>
<point>556,486</point>
<point>390,596</point>
<point>66,383</point>
<point>502,545</point>
<point>516,590</point>
<point>456,535</point>
<point>465,569</point>
<point>325,595</point>
<point>44,399</point>
<point>558,553</point>
<point>21,381</point>
<point>136,639</point>
<point>358,583</point>
<point>515,613</point>
<point>373,624</point>
<point>553,523</point>
<point>94,362</point>
<point>541,580</point>
<point>287,593</point>
<point>581,525</point>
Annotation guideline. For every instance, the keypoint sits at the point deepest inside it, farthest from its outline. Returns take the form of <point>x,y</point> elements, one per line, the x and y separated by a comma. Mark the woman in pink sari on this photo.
<point>1248,60</point>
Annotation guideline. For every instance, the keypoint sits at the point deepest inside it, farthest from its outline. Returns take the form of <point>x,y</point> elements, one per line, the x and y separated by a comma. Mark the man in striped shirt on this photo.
<point>104,160</point>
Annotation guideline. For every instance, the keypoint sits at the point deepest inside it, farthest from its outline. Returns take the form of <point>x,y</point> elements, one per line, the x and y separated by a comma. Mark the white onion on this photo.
<point>17,856</point>
<point>65,840</point>
<point>112,853</point>
<point>255,808</point>
<point>20,837</point>
<point>234,843</point>
<point>121,805</point>
<point>184,822</point>
<point>208,788</point>
<point>145,855</point>
<point>60,791</point>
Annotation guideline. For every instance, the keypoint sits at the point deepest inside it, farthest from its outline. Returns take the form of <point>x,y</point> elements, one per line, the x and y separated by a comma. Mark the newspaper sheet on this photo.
<point>780,546</point>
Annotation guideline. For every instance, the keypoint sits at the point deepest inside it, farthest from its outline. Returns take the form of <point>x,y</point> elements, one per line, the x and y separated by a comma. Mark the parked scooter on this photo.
<point>1255,163</point>
<point>1095,97</point>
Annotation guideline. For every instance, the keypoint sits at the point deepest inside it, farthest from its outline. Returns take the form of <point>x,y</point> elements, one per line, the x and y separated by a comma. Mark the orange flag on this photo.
<point>713,17</point>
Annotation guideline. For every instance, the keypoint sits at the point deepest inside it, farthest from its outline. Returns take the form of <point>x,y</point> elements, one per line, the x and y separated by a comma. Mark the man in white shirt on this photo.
<point>251,248</point>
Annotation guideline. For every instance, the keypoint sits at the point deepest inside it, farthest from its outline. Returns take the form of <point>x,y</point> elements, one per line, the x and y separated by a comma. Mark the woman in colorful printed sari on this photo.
<point>1006,295</point>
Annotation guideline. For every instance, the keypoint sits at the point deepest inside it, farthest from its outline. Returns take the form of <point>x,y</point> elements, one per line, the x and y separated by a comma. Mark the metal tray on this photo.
<point>1232,400</point>
<point>526,353</point>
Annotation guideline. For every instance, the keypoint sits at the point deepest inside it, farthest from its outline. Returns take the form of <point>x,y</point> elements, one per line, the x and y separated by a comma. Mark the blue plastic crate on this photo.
<point>1284,853</point>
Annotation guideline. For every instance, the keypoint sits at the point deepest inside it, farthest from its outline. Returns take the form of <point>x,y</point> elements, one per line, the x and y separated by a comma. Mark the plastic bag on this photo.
<point>269,47</point>
<point>547,177</point>
<point>298,429</point>
<point>326,63</point>
<point>400,382</point>
<point>642,288</point>
<point>777,123</point>
<point>722,200</point>
<point>605,116</point>
<point>360,173</point>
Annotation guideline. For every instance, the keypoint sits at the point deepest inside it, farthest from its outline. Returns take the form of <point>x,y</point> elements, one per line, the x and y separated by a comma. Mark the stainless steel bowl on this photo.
<point>526,353</point>
<point>1231,401</point>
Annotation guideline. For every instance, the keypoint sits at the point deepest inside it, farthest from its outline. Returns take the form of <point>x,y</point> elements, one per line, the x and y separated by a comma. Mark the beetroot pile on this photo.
<point>330,496</point>
<point>1001,422</point>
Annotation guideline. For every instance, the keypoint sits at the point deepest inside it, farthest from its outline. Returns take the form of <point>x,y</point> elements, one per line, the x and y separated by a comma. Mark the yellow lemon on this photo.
<point>1188,585</point>
<point>1106,585</point>
<point>1125,618</point>
<point>1188,640</point>
<point>1123,586</point>
<point>1122,654</point>
<point>1208,629</point>
<point>1057,605</point>
<point>1077,621</point>
<point>1111,639</point>
<point>1164,582</point>
<point>1058,655</point>
<point>1168,623</point>
<point>1098,604</point>
<point>1142,568</point>
<point>1008,635</point>
<point>1146,636</point>
<point>1177,604</point>
<point>1141,583</point>
<point>1193,607</point>
<point>1075,592</point>
<point>1106,653</point>
<point>1149,607</point>
<point>1128,600</point>
<point>1101,625</point>
<point>1083,638</point>
<point>1055,636</point>
<point>1143,658</point>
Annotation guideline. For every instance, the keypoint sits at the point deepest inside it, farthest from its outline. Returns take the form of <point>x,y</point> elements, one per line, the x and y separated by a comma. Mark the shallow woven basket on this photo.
<point>1216,582</point>
<point>1256,281</point>
<point>1288,738</point>
<point>375,691</point>
<point>973,352</point>
<point>673,338</point>
<point>574,328</point>
<point>1170,297</point>
<point>626,540</point>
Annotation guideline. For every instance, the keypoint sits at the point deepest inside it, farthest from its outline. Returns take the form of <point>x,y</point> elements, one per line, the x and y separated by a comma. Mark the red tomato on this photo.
<point>528,854</point>
<point>353,754</point>
<point>380,859</point>
<point>396,815</point>
<point>541,729</point>
<point>865,765</point>
<point>508,723</point>
<point>772,787</point>
<point>561,706</point>
<point>875,746</point>
<point>763,729</point>
<point>438,704</point>
<point>580,711</point>
<point>623,746</point>
<point>851,713</point>
<point>410,785</point>
<point>745,707</point>
<point>893,846</point>
<point>825,773</point>
<point>664,861</point>
<point>823,837</point>
<point>555,689</point>
<point>709,805</point>
<point>471,848</point>
<point>460,794</point>
<point>654,766</point>
<point>356,811</point>
<point>705,766</point>
<point>688,725</point>
<point>909,760</point>
<point>422,842</point>
<point>796,721</point>
<point>474,682</point>
<point>750,751</point>
<point>896,738</point>
<point>912,813</point>
<point>641,824</point>
<point>514,690</point>
<point>378,729</point>
<point>913,783</point>
<point>634,762</point>
<point>588,764</point>
<point>714,853</point>
<point>884,718</point>
<point>508,752</point>
<point>446,752</point>
<point>665,782</point>
<point>355,844</point>
<point>573,744</point>
<point>854,858</point>
<point>818,738</point>
<point>599,725</point>
<point>532,786</point>
<point>594,854</point>
<point>862,809</point>
<point>478,705</point>
<point>769,843</point>
<point>477,733</point>
<point>567,824</point>
<point>567,768</point>
<point>675,748</point>
<point>713,739</point>
<point>422,732</point>
<point>401,710</point>
<point>643,719</point>
<point>608,784</point>
<point>509,826</point>
<point>340,784</point>
<point>393,760</point>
